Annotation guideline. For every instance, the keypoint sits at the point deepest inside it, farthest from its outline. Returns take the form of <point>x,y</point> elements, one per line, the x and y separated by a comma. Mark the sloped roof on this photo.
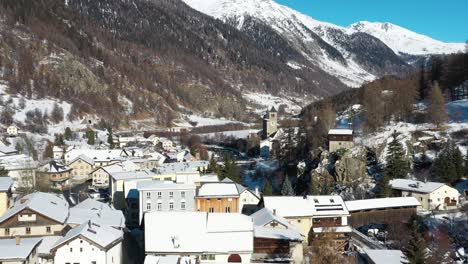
<point>289,206</point>
<point>379,203</point>
<point>340,131</point>
<point>46,204</point>
<point>101,235</point>
<point>415,186</point>
<point>386,256</point>
<point>96,211</point>
<point>7,150</point>
<point>163,185</point>
<point>84,158</point>
<point>11,251</point>
<point>277,233</point>
<point>265,216</point>
<point>170,232</point>
<point>5,184</point>
<point>218,189</point>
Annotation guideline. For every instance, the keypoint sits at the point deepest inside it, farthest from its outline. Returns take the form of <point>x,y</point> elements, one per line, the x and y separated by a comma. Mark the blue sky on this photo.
<point>445,20</point>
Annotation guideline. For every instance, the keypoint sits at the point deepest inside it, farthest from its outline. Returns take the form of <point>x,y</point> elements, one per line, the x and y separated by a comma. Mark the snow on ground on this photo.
<point>235,134</point>
<point>294,65</point>
<point>199,121</point>
<point>294,105</point>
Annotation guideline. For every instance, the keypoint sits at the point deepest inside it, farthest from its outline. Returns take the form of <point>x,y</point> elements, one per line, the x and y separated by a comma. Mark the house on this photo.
<point>89,242</point>
<point>5,194</point>
<point>166,143</point>
<point>208,238</point>
<point>44,250</point>
<point>95,211</point>
<point>275,238</point>
<point>101,175</point>
<point>81,167</point>
<point>313,216</point>
<point>117,183</point>
<point>224,197</point>
<point>431,195</point>
<point>12,131</point>
<point>101,157</point>
<point>180,172</point>
<point>19,250</point>
<point>270,123</point>
<point>381,210</point>
<point>36,214</point>
<point>340,139</point>
<point>59,175</point>
<point>266,146</point>
<point>384,256</point>
<point>165,196</point>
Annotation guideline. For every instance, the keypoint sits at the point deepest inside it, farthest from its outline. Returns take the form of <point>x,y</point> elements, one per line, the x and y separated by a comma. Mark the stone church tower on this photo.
<point>270,123</point>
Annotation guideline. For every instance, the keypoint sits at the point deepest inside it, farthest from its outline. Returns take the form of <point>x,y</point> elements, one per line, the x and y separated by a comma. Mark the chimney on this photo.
<point>274,211</point>
<point>417,185</point>
<point>256,191</point>
<point>18,240</point>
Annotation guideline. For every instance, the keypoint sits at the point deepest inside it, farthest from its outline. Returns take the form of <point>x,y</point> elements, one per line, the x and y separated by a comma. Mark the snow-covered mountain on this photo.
<point>403,41</point>
<point>354,54</point>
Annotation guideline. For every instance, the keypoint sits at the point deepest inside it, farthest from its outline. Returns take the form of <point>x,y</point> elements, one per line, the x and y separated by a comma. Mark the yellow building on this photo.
<point>81,167</point>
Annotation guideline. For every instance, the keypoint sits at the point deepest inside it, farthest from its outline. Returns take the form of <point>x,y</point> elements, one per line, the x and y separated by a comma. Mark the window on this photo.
<point>171,206</point>
<point>208,257</point>
<point>81,249</point>
<point>159,194</point>
<point>182,194</point>
<point>148,206</point>
<point>171,194</point>
<point>211,210</point>
<point>420,198</point>
<point>159,206</point>
<point>28,230</point>
<point>148,195</point>
<point>299,220</point>
<point>7,231</point>
<point>48,229</point>
<point>228,209</point>
<point>93,262</point>
<point>182,205</point>
<point>71,249</point>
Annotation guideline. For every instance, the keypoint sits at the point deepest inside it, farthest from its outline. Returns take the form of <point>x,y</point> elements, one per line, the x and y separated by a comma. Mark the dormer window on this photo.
<point>331,200</point>
<point>315,200</point>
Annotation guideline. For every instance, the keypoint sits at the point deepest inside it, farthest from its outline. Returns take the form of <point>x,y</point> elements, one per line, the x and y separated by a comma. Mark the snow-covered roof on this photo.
<point>131,175</point>
<point>169,232</point>
<point>171,259</point>
<point>337,229</point>
<point>282,205</point>
<point>55,167</point>
<point>102,235</point>
<point>46,245</point>
<point>379,203</point>
<point>209,178</point>
<point>340,131</point>
<point>385,256</point>
<point>96,211</point>
<point>5,184</point>
<point>96,154</point>
<point>218,189</point>
<point>415,186</point>
<point>180,167</point>
<point>265,216</point>
<point>11,251</point>
<point>46,204</point>
<point>162,185</point>
<point>17,162</point>
<point>277,233</point>
<point>7,150</point>
<point>83,158</point>
<point>317,206</point>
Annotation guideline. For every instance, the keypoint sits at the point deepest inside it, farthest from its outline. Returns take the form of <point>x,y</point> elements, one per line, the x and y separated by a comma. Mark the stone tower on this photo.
<point>270,123</point>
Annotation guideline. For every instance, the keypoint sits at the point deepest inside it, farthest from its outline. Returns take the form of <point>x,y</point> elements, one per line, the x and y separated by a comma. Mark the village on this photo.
<point>136,199</point>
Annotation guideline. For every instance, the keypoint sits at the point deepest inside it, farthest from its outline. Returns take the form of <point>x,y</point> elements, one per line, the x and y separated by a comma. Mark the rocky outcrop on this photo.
<point>351,166</point>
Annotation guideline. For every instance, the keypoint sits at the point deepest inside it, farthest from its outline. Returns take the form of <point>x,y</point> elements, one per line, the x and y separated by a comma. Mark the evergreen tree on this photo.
<point>313,187</point>
<point>57,113</point>
<point>110,139</point>
<point>68,134</point>
<point>49,151</point>
<point>448,165</point>
<point>466,166</point>
<point>91,138</point>
<point>213,165</point>
<point>267,188</point>
<point>436,111</point>
<point>397,166</point>
<point>287,189</point>
<point>415,251</point>
<point>230,170</point>
<point>383,187</point>
<point>59,140</point>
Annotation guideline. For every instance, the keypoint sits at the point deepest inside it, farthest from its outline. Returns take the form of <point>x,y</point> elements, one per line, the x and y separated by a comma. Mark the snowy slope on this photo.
<point>403,41</point>
<point>292,25</point>
<point>312,37</point>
